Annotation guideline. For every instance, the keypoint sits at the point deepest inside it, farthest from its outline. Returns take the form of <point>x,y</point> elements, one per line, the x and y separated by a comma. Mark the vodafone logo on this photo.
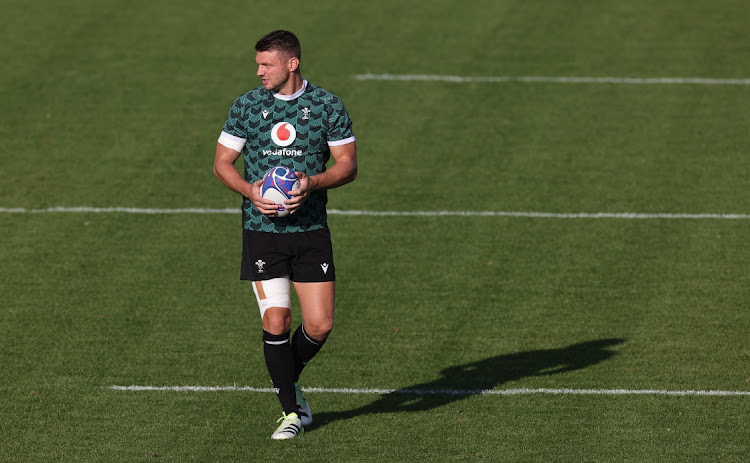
<point>283,134</point>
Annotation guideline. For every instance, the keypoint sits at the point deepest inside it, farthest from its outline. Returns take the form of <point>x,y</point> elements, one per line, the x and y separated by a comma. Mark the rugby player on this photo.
<point>291,122</point>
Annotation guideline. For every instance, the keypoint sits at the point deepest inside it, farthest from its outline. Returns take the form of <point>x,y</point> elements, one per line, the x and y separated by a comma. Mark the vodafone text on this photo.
<point>282,152</point>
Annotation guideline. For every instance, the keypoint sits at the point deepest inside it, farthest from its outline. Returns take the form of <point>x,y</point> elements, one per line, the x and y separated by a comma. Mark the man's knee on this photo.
<point>274,301</point>
<point>277,320</point>
<point>319,329</point>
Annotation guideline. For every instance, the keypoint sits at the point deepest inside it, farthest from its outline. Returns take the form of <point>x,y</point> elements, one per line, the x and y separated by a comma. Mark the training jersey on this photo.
<point>294,131</point>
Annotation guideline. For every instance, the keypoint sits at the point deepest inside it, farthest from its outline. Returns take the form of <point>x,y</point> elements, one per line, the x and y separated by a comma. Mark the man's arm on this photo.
<point>225,171</point>
<point>343,171</point>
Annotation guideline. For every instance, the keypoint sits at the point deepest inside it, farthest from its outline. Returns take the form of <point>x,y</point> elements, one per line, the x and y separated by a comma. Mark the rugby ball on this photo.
<point>277,183</point>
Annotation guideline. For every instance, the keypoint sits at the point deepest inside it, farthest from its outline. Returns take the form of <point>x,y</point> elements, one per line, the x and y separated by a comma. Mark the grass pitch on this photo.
<point>113,103</point>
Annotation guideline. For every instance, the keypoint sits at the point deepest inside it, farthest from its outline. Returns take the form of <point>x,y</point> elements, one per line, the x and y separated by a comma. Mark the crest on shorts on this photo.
<point>260,264</point>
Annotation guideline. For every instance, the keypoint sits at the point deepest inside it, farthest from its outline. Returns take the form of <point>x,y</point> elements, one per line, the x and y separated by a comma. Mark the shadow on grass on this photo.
<point>461,381</point>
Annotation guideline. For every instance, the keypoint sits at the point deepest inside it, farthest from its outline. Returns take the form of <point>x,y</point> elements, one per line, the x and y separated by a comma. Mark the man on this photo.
<point>290,122</point>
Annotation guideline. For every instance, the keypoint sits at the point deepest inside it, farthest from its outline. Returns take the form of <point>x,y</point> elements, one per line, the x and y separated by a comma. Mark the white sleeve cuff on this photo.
<point>345,141</point>
<point>232,142</point>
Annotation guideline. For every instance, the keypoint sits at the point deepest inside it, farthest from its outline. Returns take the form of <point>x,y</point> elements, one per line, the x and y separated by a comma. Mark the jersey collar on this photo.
<point>294,95</point>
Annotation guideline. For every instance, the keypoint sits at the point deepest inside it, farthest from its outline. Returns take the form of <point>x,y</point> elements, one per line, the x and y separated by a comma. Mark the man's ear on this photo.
<point>293,64</point>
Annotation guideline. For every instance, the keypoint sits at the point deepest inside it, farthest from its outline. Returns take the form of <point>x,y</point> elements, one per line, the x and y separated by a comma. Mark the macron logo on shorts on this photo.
<point>324,267</point>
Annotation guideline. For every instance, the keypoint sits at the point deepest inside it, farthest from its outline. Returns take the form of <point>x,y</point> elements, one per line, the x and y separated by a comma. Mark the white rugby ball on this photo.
<point>277,183</point>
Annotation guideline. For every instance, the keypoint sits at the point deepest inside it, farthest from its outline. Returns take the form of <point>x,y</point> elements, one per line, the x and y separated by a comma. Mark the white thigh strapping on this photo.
<point>275,292</point>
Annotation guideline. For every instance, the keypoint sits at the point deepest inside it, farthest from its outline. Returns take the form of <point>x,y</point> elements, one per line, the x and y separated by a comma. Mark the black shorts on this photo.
<point>307,257</point>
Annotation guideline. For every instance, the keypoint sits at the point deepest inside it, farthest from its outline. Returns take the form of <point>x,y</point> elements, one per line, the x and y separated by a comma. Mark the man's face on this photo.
<point>273,69</point>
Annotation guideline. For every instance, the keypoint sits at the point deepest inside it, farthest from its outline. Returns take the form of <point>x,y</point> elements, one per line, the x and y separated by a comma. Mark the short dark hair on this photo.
<point>280,41</point>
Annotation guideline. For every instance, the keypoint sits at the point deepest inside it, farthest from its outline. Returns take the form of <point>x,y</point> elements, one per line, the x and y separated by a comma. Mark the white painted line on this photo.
<point>555,80</point>
<point>454,392</point>
<point>542,215</point>
<point>128,210</point>
<point>551,215</point>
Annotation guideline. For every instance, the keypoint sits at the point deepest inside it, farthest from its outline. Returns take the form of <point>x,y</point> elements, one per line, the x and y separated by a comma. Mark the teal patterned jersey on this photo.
<point>294,131</point>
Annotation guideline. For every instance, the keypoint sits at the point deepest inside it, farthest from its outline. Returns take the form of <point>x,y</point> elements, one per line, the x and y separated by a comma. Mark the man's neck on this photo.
<point>293,85</point>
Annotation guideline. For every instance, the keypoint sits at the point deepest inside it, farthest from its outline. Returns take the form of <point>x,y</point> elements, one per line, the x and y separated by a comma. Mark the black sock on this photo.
<point>304,348</point>
<point>280,364</point>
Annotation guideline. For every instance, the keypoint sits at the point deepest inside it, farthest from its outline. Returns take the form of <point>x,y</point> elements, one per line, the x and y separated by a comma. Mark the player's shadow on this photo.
<point>461,381</point>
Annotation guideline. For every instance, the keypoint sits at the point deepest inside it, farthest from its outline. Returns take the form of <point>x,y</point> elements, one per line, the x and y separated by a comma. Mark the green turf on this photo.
<point>115,103</point>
